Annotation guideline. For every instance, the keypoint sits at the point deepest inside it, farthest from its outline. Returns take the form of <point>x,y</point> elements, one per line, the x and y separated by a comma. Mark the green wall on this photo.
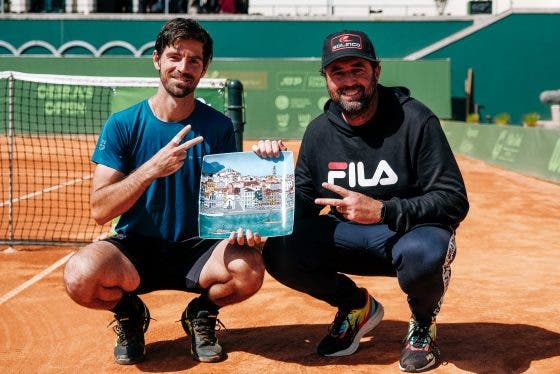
<point>513,61</point>
<point>104,66</point>
<point>251,38</point>
<point>281,95</point>
<point>530,151</point>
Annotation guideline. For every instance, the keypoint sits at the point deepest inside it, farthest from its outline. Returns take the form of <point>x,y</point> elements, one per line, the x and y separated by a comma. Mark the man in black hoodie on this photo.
<point>380,160</point>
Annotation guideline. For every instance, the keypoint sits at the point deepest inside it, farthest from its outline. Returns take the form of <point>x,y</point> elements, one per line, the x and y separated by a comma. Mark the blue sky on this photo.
<point>248,163</point>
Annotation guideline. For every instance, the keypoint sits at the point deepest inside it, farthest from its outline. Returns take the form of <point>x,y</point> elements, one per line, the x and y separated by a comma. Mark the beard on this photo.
<point>180,88</point>
<point>356,106</point>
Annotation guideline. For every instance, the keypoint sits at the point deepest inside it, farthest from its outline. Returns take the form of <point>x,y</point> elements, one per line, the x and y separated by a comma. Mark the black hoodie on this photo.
<point>401,156</point>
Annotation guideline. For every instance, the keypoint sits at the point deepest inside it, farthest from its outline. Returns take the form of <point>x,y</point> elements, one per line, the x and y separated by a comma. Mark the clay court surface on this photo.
<point>500,315</point>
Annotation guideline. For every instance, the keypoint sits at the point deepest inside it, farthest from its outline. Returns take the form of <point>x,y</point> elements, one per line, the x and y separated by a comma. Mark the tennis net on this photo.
<point>48,129</point>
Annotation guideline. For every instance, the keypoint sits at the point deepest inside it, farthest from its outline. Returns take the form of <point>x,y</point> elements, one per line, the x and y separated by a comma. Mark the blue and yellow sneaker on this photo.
<point>349,327</point>
<point>419,351</point>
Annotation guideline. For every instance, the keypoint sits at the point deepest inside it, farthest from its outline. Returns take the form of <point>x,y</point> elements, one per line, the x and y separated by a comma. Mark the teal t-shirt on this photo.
<point>168,209</point>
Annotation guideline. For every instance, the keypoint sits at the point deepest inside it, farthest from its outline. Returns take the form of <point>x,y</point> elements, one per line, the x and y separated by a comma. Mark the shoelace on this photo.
<point>122,327</point>
<point>339,319</point>
<point>205,328</point>
<point>420,337</point>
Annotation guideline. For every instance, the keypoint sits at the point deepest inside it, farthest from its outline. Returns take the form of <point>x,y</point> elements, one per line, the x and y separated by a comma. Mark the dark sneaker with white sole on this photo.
<point>419,352</point>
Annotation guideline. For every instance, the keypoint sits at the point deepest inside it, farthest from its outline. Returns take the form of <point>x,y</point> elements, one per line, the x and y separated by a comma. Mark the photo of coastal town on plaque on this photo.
<point>241,189</point>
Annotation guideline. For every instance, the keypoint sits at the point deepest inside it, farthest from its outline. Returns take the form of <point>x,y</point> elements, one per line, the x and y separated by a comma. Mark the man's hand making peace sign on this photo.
<point>353,206</point>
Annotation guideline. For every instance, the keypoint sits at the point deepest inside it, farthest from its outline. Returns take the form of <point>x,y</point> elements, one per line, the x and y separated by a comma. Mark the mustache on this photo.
<point>357,87</point>
<point>185,76</point>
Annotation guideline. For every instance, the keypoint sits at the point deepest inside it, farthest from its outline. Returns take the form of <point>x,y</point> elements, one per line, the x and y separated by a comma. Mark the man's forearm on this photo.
<point>114,199</point>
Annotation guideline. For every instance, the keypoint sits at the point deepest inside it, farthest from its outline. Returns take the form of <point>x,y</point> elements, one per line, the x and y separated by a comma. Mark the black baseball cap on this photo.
<point>347,43</point>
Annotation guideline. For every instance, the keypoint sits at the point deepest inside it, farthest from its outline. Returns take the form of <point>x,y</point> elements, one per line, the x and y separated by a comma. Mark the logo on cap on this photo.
<point>346,41</point>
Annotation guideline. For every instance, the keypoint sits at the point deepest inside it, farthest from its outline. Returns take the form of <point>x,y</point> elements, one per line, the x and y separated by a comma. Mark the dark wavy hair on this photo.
<point>186,29</point>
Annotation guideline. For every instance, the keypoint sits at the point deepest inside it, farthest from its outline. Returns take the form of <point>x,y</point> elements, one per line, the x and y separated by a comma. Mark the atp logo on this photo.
<point>383,174</point>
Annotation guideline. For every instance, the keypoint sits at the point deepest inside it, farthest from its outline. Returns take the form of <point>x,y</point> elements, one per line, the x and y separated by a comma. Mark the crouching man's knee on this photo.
<point>77,282</point>
<point>248,273</point>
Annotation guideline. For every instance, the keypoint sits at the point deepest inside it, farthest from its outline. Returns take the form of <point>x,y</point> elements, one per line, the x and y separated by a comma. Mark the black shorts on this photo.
<point>166,265</point>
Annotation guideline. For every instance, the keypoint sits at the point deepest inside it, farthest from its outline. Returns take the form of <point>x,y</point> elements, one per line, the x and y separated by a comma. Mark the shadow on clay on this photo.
<point>474,347</point>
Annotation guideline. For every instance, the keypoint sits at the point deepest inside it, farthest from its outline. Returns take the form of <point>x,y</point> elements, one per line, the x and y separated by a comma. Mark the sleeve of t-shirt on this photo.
<point>109,150</point>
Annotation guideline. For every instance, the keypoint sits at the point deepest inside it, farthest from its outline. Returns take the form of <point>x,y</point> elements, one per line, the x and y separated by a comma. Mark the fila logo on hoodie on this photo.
<point>356,174</point>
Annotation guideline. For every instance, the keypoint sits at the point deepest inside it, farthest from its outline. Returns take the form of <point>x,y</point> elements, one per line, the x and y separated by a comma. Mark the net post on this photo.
<point>235,109</point>
<point>10,158</point>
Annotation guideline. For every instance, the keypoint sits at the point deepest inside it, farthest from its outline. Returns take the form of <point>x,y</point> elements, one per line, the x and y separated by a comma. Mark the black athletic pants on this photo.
<point>316,256</point>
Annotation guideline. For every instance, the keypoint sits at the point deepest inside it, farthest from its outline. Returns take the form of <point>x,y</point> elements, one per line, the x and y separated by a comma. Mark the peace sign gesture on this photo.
<point>353,206</point>
<point>171,158</point>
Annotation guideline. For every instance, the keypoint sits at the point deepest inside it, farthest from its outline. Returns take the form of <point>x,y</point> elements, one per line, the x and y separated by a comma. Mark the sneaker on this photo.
<point>130,347</point>
<point>201,326</point>
<point>420,351</point>
<point>349,327</point>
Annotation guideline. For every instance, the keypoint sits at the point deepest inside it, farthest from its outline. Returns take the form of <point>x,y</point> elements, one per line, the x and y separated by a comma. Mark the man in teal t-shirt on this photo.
<point>148,171</point>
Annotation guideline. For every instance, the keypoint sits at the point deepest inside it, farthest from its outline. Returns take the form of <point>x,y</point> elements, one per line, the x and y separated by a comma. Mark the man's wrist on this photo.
<point>382,212</point>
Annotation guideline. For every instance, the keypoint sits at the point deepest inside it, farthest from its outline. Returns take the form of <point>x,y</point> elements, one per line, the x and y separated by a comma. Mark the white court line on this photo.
<point>48,189</point>
<point>35,279</point>
<point>42,274</point>
<point>60,262</point>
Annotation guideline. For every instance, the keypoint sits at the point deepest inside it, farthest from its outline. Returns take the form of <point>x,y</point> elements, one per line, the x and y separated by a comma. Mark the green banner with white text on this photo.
<point>530,151</point>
